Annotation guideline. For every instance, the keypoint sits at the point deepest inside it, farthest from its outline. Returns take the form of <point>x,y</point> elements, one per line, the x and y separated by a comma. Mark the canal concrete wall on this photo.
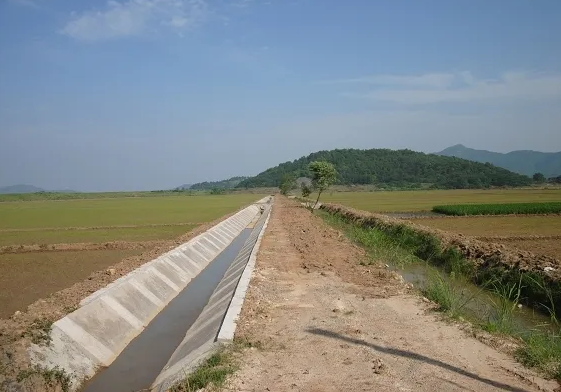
<point>93,335</point>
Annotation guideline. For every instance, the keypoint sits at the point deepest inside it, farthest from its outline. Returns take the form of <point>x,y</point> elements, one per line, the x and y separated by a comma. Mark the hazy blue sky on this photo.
<point>151,94</point>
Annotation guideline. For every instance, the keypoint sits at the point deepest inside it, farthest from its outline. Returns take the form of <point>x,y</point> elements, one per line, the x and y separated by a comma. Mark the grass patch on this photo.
<point>53,378</point>
<point>213,371</point>
<point>452,297</point>
<point>504,303</point>
<point>542,351</point>
<point>40,331</point>
<point>499,209</point>
<point>380,247</point>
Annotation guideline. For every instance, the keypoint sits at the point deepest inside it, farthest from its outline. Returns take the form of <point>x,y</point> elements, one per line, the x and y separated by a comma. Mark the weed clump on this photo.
<point>40,331</point>
<point>213,371</point>
<point>542,351</point>
<point>52,377</point>
<point>451,297</point>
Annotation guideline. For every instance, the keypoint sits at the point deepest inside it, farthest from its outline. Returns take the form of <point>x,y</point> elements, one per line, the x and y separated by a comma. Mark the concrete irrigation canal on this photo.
<point>149,328</point>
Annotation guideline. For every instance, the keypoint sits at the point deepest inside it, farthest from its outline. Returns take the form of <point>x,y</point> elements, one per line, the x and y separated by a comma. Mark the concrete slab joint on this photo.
<point>106,321</point>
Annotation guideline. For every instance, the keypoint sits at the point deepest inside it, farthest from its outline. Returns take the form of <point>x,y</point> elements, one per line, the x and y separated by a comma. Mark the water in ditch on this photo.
<point>142,360</point>
<point>478,305</point>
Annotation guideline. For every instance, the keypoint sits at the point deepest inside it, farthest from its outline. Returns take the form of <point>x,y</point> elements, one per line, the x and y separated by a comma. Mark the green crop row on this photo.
<point>499,209</point>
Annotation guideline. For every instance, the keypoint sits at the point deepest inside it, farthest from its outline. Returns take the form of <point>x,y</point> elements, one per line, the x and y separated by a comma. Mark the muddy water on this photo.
<point>479,304</point>
<point>143,359</point>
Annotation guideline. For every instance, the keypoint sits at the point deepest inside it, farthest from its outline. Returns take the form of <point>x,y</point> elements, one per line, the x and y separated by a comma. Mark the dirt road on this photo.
<point>322,322</point>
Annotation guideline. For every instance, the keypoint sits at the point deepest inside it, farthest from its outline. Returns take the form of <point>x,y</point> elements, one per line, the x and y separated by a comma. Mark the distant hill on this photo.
<point>394,168</point>
<point>525,162</point>
<point>20,188</point>
<point>184,187</point>
<point>224,184</point>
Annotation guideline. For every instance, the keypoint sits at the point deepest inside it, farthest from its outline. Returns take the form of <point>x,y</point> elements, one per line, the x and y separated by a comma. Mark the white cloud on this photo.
<point>135,17</point>
<point>456,87</point>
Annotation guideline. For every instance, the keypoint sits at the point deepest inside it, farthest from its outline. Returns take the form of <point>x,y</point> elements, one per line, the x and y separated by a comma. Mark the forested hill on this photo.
<point>395,168</point>
<point>225,184</point>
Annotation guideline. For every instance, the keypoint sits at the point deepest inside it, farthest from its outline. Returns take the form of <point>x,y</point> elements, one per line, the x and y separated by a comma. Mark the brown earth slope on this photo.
<point>325,323</point>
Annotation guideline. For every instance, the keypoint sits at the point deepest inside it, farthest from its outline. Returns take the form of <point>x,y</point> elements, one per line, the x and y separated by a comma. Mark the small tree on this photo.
<point>306,190</point>
<point>287,184</point>
<point>323,175</point>
<point>539,178</point>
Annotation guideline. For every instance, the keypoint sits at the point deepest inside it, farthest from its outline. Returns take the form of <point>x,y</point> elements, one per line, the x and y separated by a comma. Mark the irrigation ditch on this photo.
<point>504,291</point>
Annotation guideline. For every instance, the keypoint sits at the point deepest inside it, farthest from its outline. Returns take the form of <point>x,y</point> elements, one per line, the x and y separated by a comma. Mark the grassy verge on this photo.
<point>211,373</point>
<point>380,246</point>
<point>499,209</point>
<point>448,286</point>
<point>214,371</point>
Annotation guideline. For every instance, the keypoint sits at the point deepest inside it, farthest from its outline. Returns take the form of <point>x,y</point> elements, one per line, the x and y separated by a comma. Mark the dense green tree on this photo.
<point>539,178</point>
<point>288,183</point>
<point>306,190</point>
<point>224,184</point>
<point>323,175</point>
